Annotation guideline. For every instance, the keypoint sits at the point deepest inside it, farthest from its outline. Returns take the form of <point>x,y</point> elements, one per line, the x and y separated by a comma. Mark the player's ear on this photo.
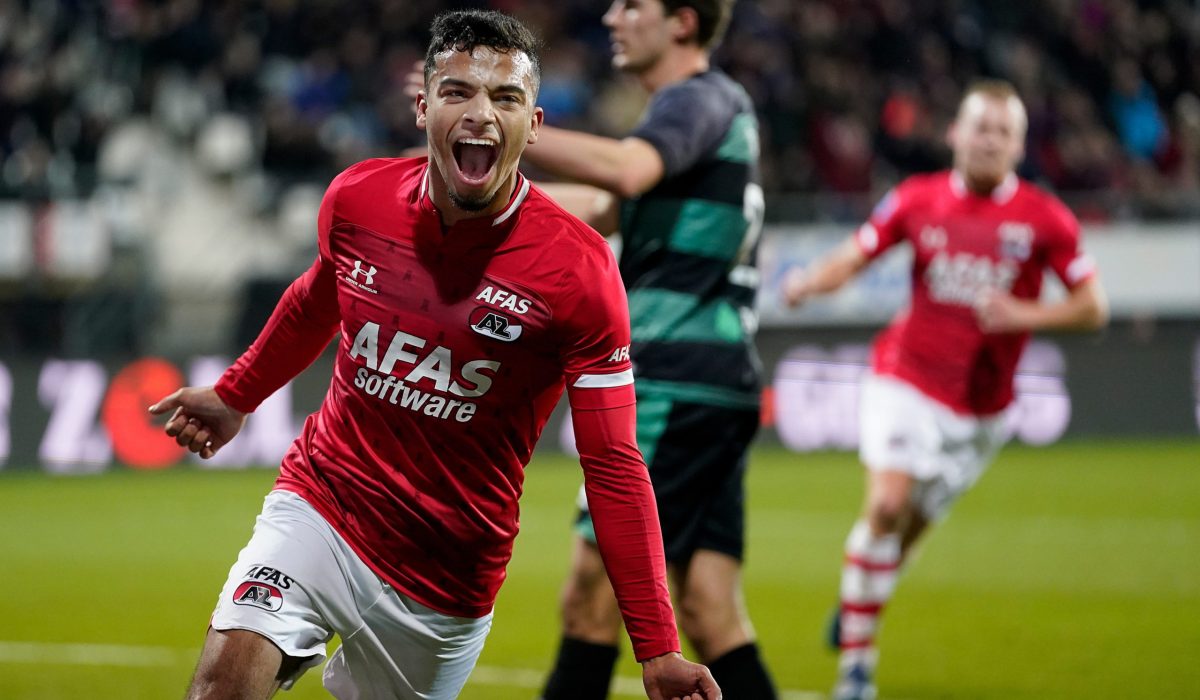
<point>422,108</point>
<point>684,25</point>
<point>535,123</point>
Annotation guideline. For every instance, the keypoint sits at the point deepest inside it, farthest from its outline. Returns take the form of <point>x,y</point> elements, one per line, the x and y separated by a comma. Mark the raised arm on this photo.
<point>597,208</point>
<point>683,123</point>
<point>626,167</point>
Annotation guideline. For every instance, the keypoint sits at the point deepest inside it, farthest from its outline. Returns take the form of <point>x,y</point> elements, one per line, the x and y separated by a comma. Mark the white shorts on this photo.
<point>297,583</point>
<point>945,452</point>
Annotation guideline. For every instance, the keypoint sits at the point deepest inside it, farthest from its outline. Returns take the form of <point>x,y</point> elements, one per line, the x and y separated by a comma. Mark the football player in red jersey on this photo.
<point>932,406</point>
<point>466,302</point>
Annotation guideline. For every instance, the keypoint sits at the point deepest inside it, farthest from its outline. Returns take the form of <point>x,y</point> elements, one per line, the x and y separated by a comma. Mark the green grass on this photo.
<point>1070,572</point>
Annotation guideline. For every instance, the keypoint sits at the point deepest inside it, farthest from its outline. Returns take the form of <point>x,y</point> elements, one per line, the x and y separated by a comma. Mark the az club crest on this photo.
<point>485,321</point>
<point>258,595</point>
<point>1016,240</point>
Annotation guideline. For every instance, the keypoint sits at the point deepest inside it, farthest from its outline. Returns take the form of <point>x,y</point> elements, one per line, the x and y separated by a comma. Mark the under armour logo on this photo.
<point>933,237</point>
<point>369,273</point>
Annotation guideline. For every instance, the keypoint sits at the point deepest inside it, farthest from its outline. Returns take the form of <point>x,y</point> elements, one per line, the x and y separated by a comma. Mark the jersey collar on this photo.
<point>520,192</point>
<point>1003,194</point>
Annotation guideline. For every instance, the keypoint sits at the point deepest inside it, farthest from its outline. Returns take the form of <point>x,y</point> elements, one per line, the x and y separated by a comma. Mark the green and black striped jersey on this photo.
<point>689,244</point>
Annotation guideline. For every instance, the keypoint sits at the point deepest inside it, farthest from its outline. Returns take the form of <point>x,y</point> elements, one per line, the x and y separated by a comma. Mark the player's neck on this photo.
<point>677,64</point>
<point>451,213</point>
<point>983,187</point>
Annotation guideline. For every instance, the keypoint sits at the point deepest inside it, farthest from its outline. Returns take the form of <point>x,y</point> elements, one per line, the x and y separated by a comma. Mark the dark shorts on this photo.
<point>697,459</point>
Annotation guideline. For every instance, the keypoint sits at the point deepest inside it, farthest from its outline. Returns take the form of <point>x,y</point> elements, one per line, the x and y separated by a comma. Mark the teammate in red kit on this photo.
<point>465,300</point>
<point>942,373</point>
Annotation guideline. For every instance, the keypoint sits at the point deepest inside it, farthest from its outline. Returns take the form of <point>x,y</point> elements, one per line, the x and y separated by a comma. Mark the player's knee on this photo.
<point>576,598</point>
<point>214,681</point>
<point>887,513</point>
<point>237,664</point>
<point>592,619</point>
<point>583,585</point>
<point>588,605</point>
<point>709,617</point>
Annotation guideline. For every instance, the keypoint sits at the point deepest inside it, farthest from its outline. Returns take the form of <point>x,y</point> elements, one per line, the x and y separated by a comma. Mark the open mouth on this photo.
<point>475,158</point>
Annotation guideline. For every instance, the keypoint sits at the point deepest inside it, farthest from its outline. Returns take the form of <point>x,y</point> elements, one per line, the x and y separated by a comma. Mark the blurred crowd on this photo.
<point>852,93</point>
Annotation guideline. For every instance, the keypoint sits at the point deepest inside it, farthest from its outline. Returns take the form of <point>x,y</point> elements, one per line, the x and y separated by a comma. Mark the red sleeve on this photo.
<point>1064,254</point>
<point>624,513</point>
<point>299,329</point>
<point>303,322</point>
<point>593,315</point>
<point>885,227</point>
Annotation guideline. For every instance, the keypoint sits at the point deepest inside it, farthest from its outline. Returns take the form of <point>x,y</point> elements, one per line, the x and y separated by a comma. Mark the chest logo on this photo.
<point>486,322</point>
<point>1016,240</point>
<point>933,238</point>
<point>363,277</point>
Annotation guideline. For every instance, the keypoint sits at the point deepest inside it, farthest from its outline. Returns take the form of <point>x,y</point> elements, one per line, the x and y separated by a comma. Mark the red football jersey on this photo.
<point>964,243</point>
<point>455,346</point>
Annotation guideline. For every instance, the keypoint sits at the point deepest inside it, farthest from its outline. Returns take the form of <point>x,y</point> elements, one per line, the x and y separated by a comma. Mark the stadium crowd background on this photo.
<point>145,145</point>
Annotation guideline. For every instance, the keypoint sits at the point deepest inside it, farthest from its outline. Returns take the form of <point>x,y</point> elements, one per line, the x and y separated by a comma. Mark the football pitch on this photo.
<point>1071,571</point>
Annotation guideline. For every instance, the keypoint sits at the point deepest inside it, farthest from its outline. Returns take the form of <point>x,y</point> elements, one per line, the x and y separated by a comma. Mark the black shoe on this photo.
<point>833,629</point>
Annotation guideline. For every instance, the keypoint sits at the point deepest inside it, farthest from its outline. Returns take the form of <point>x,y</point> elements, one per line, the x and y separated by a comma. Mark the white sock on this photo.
<point>868,579</point>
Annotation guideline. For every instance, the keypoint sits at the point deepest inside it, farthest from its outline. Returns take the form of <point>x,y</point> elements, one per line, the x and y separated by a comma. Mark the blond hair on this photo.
<point>999,90</point>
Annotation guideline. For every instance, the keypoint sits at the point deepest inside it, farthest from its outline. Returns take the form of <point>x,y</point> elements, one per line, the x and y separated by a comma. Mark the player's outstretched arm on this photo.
<point>671,677</point>
<point>1084,309</point>
<point>202,422</point>
<point>826,275</point>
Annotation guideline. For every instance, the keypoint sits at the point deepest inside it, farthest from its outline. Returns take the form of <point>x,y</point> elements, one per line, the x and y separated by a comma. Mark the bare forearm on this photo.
<point>831,275</point>
<point>826,275</point>
<point>1084,309</point>
<point>1078,312</point>
<point>626,167</point>
<point>576,156</point>
<point>596,207</point>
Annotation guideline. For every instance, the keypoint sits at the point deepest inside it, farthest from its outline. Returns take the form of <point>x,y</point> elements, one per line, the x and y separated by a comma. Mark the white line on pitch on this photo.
<point>621,687</point>
<point>51,653</point>
<point>93,654</point>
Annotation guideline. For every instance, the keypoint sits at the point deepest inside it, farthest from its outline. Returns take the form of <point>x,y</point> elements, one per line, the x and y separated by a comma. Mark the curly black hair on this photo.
<point>463,30</point>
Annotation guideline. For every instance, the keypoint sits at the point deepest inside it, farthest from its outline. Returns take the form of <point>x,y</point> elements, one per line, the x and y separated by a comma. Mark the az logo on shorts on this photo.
<point>259,595</point>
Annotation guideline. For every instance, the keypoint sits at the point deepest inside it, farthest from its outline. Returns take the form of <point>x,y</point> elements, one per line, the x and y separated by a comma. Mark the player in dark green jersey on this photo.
<point>683,191</point>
